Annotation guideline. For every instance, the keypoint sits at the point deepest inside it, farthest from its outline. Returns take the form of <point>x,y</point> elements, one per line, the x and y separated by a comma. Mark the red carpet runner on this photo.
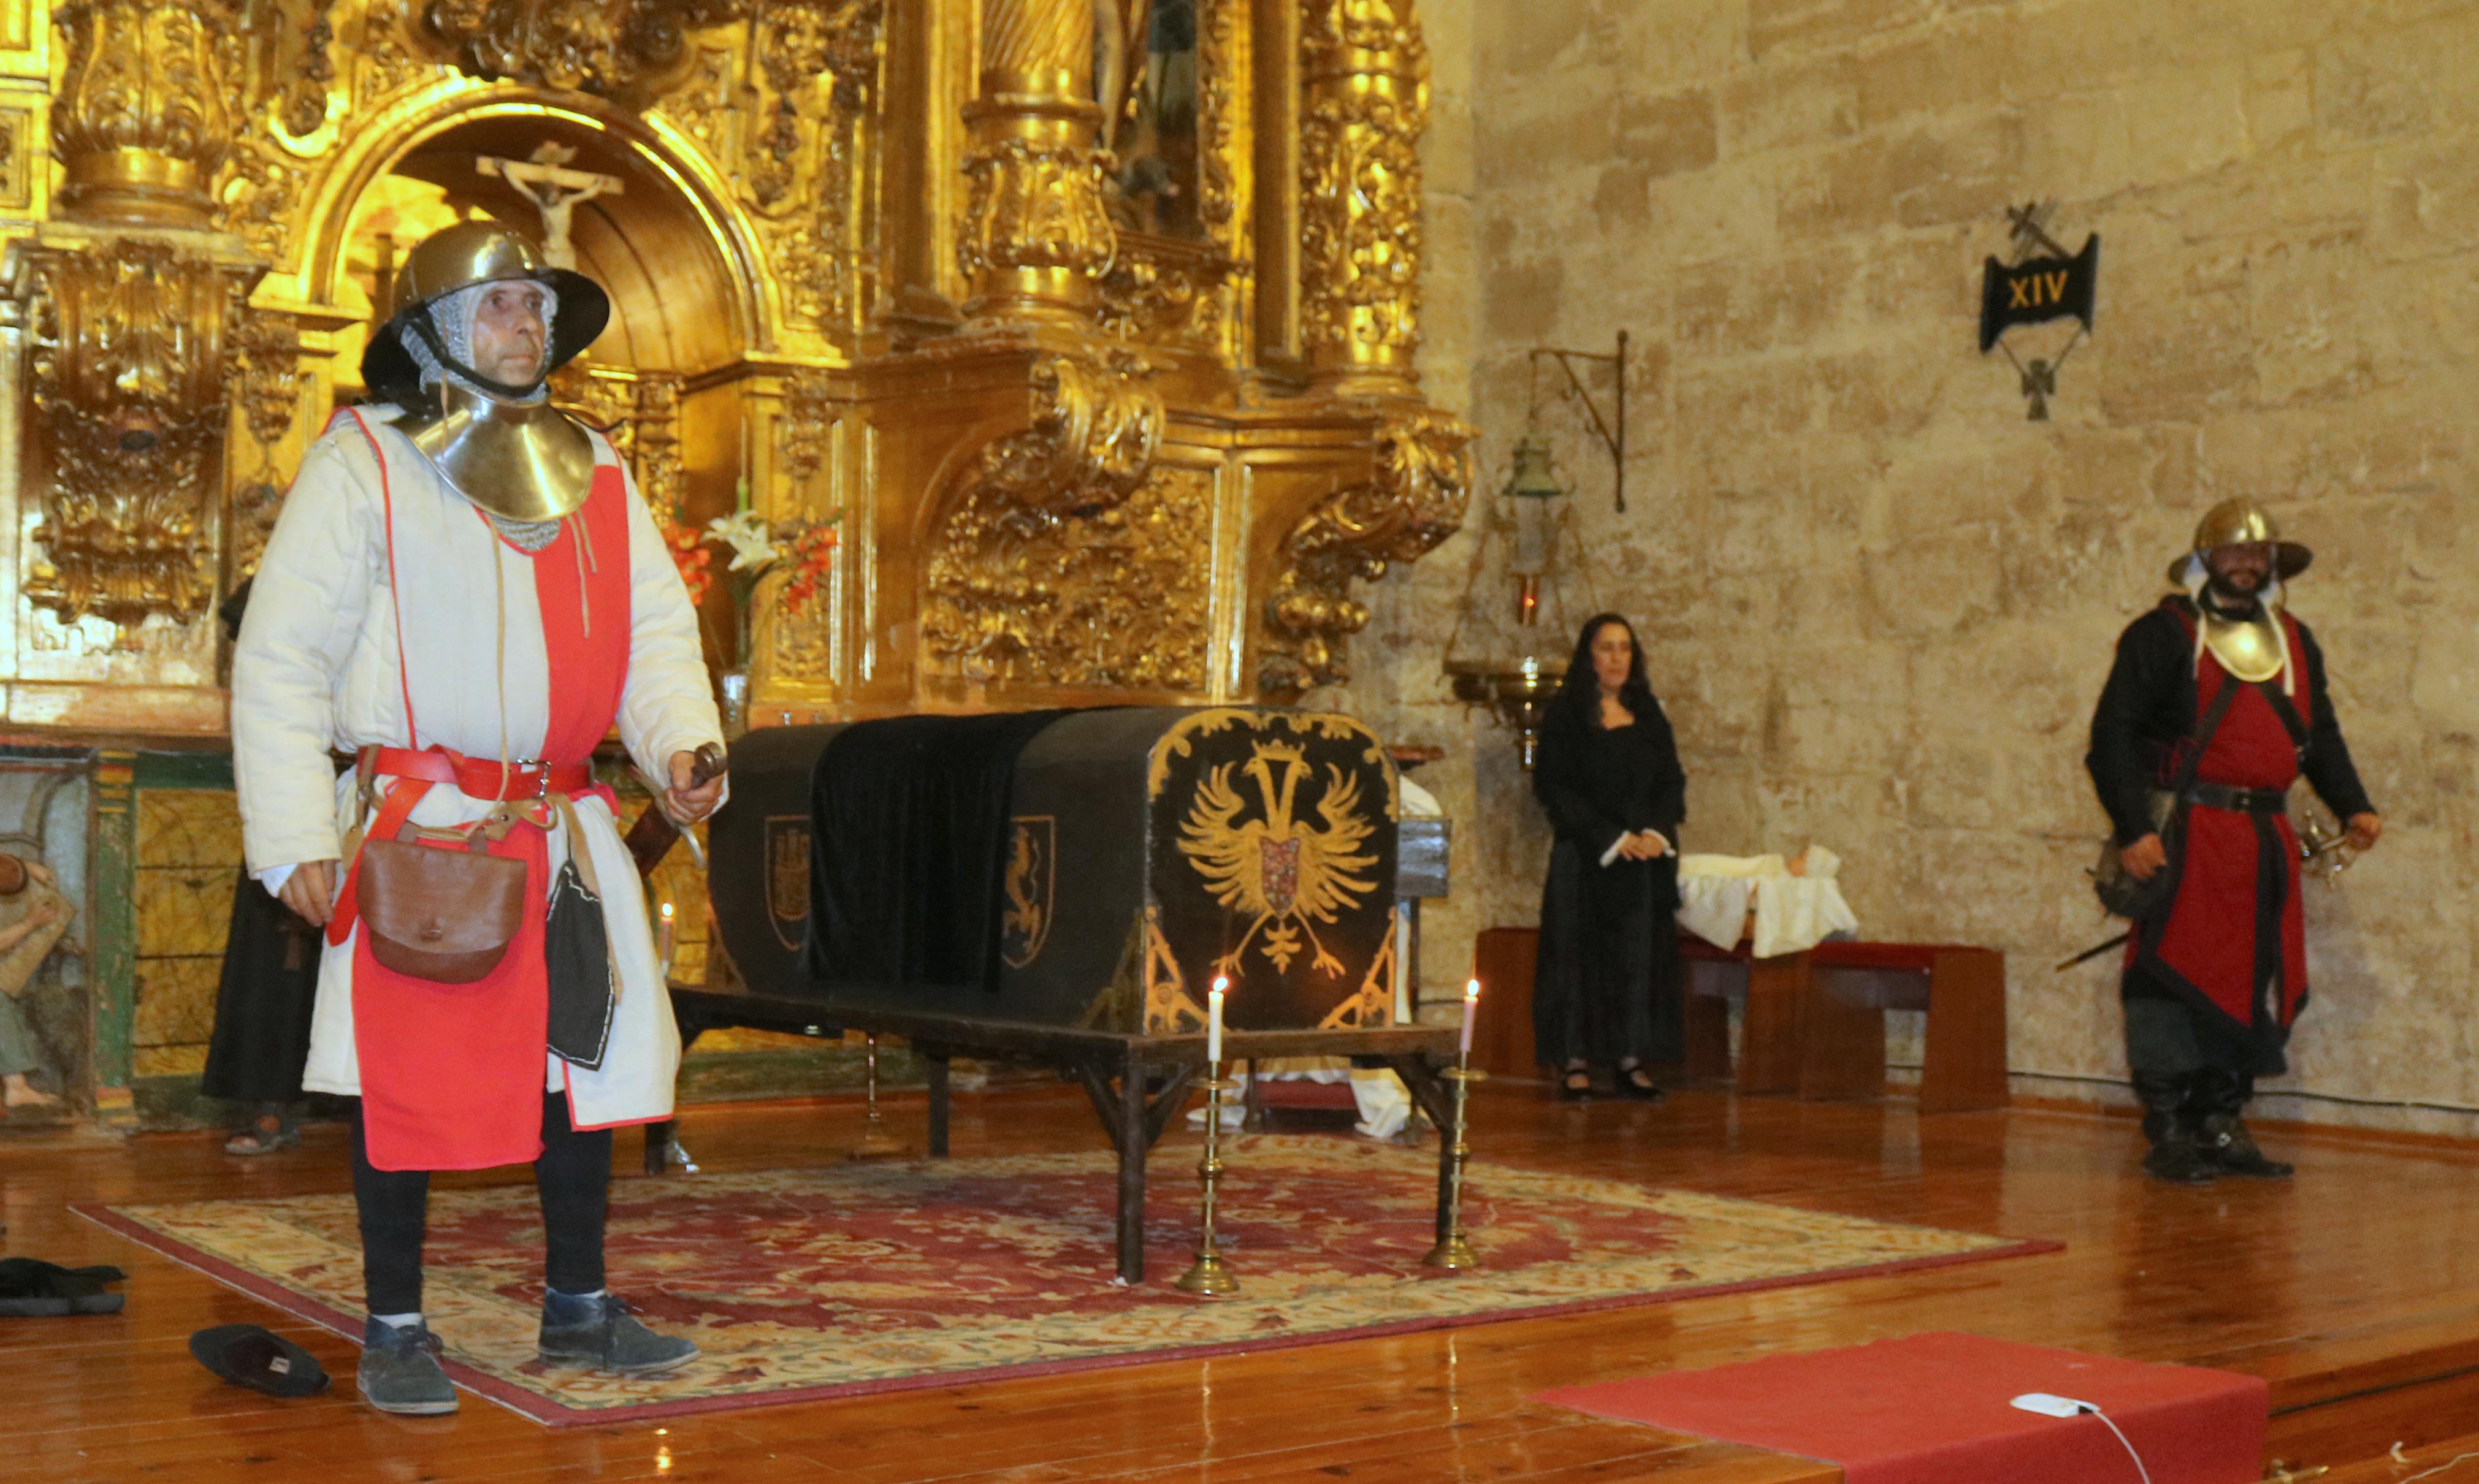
<point>1933,1409</point>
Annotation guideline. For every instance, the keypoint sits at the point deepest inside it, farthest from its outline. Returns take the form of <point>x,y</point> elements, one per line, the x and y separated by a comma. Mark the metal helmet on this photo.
<point>502,447</point>
<point>459,256</point>
<point>2242,522</point>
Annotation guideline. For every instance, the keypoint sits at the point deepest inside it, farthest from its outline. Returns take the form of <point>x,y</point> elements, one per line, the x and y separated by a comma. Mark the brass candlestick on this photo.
<point>876,1143</point>
<point>1455,1253</point>
<point>1208,1275</point>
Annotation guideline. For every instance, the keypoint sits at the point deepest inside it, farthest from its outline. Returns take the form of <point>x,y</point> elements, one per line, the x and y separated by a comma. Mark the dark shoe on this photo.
<point>2177,1156</point>
<point>1636,1082</point>
<point>401,1374</point>
<point>1574,1084</point>
<point>2213,1103</point>
<point>599,1332</point>
<point>2179,1162</point>
<point>33,1288</point>
<point>2230,1148</point>
<point>248,1355</point>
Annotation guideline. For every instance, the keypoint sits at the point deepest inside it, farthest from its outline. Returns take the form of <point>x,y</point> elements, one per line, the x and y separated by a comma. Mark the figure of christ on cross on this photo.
<point>554,191</point>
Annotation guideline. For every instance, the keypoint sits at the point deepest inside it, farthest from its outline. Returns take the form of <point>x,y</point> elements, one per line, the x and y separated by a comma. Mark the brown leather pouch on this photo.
<point>443,913</point>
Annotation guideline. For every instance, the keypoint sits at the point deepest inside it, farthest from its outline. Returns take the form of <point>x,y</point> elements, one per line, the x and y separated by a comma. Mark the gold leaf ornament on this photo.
<point>1282,872</point>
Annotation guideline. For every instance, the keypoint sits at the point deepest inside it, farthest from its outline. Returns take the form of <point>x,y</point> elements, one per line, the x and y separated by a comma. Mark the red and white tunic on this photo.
<point>503,655</point>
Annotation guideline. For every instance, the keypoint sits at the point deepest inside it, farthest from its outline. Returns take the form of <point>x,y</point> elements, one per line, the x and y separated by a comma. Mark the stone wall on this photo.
<point>1878,601</point>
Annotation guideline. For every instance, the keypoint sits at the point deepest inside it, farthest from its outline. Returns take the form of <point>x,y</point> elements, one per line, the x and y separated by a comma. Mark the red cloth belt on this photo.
<point>484,778</point>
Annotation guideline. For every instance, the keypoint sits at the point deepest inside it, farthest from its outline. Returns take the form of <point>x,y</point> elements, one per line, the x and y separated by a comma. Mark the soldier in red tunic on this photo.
<point>2216,704</point>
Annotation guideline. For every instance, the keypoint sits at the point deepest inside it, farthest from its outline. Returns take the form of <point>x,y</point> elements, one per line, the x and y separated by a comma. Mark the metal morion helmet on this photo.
<point>459,256</point>
<point>2242,522</point>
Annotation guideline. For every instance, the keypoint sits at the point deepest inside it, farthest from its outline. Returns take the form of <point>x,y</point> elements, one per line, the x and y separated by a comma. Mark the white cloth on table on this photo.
<point>1795,910</point>
<point>1383,1102</point>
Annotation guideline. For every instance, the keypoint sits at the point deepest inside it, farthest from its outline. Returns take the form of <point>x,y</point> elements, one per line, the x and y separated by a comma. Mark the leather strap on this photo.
<point>2290,722</point>
<point>387,516</point>
<point>393,812</point>
<point>2254,802</point>
<point>481,778</point>
<point>2205,731</point>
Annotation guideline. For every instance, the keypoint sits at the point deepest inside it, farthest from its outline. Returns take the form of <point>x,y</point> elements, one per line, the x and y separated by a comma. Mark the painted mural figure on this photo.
<point>34,916</point>
<point>2216,704</point>
<point>466,592</point>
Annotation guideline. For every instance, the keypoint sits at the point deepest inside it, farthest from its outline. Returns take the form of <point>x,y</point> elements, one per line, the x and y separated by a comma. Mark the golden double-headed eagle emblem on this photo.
<point>1284,874</point>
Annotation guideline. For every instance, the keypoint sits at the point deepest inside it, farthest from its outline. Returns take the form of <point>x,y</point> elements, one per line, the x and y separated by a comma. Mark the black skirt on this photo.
<point>1607,984</point>
<point>264,1004</point>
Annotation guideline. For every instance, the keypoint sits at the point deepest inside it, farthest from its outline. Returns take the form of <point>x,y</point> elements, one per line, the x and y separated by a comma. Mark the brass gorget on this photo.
<point>522,461</point>
<point>2246,648</point>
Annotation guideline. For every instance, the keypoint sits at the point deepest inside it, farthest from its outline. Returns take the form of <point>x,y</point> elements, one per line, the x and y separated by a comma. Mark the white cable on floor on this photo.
<point>2128,1446</point>
<point>2458,1458</point>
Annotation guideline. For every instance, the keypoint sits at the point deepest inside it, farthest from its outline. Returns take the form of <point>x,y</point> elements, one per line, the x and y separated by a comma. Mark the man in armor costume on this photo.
<point>2216,703</point>
<point>466,592</point>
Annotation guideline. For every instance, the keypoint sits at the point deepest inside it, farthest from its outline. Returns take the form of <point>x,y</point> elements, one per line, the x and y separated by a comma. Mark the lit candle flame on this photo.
<point>1213,1020</point>
<point>1472,990</point>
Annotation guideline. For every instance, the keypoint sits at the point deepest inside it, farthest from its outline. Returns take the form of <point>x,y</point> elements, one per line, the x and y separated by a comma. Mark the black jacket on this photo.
<point>2148,709</point>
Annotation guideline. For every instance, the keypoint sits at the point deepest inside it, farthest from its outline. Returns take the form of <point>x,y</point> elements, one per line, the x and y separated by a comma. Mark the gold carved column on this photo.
<point>1037,236</point>
<point>143,117</point>
<point>130,307</point>
<point>1364,103</point>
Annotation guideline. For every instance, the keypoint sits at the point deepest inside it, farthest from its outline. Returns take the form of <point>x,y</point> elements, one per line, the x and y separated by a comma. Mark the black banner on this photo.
<point>2037,290</point>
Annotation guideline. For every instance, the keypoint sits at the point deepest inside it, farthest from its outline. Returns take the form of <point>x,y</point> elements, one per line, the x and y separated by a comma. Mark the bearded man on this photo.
<point>2217,703</point>
<point>465,592</point>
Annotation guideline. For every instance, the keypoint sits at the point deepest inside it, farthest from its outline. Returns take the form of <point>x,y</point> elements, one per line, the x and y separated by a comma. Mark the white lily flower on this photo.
<point>751,544</point>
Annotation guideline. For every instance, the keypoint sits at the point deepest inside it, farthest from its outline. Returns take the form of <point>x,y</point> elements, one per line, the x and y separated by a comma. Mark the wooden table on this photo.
<point>1137,1083</point>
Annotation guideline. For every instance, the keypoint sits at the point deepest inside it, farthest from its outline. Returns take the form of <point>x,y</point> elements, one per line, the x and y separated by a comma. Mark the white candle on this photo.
<point>663,940</point>
<point>1472,1007</point>
<point>1214,1021</point>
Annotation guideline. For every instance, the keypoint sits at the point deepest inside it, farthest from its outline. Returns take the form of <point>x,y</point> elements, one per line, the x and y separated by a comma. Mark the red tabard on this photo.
<point>2208,938</point>
<point>453,1074</point>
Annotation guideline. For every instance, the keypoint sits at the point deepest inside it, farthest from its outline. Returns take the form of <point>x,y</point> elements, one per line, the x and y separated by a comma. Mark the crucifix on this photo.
<point>555,189</point>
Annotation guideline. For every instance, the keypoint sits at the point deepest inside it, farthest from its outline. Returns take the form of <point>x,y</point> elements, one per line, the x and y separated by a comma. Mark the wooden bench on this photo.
<point>1815,1022</point>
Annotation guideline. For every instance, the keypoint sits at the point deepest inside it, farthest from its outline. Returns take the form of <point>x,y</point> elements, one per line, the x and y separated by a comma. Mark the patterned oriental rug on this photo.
<point>803,1284</point>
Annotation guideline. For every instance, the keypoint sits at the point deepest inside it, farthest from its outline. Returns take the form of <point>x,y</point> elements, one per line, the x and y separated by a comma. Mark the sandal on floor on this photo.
<point>1574,1084</point>
<point>1636,1082</point>
<point>259,1139</point>
<point>30,1288</point>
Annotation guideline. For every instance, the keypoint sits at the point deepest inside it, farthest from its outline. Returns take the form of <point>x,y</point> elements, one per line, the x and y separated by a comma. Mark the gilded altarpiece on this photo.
<point>1090,323</point>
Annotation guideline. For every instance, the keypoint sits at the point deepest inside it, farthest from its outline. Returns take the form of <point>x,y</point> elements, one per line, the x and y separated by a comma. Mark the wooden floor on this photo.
<point>2355,1289</point>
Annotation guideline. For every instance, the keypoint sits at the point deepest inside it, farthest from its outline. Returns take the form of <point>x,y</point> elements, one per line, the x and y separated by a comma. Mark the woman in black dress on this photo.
<point>1606,988</point>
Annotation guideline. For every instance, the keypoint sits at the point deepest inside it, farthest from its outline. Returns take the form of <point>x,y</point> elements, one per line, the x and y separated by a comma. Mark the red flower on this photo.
<point>812,560</point>
<point>696,563</point>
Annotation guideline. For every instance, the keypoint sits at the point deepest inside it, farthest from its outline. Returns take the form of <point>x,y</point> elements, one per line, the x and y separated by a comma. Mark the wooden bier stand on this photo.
<point>1137,1083</point>
<point>1815,1022</point>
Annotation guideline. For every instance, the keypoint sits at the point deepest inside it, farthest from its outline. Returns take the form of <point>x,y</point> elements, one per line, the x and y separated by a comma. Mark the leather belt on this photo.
<point>2252,801</point>
<point>484,778</point>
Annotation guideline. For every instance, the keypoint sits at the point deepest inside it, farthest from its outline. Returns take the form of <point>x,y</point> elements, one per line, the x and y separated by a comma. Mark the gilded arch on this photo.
<point>657,149</point>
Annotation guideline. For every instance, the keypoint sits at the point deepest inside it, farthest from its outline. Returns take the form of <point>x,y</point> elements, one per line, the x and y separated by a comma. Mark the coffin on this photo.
<point>1146,850</point>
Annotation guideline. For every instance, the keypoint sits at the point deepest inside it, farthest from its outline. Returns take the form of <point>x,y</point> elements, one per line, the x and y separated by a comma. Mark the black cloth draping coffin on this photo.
<point>917,807</point>
<point>1143,851</point>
